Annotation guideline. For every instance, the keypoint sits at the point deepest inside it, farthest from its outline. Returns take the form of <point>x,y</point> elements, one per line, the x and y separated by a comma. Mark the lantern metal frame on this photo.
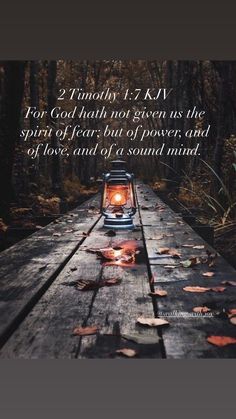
<point>118,203</point>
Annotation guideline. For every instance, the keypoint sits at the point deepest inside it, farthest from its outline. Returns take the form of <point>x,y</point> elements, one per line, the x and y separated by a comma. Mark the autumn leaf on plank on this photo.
<point>129,353</point>
<point>218,289</point>
<point>233,320</point>
<point>168,251</point>
<point>158,293</point>
<point>200,309</point>
<point>208,274</point>
<point>231,283</point>
<point>152,322</point>
<point>196,289</point>
<point>85,331</point>
<point>221,340</point>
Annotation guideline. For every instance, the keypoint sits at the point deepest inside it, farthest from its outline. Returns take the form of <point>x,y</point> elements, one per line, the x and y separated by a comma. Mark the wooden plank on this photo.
<point>30,266</point>
<point>186,336</point>
<point>47,331</point>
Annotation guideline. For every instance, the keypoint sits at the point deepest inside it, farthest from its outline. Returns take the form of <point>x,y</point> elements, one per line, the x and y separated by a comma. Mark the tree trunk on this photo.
<point>13,89</point>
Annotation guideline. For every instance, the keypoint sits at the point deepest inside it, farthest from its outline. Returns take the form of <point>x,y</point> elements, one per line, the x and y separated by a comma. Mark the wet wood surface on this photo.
<point>40,303</point>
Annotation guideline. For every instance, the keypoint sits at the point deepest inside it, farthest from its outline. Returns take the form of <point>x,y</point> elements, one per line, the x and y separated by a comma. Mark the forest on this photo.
<point>35,191</point>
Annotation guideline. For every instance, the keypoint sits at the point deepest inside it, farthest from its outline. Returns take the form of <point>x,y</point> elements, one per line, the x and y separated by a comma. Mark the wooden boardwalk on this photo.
<point>40,304</point>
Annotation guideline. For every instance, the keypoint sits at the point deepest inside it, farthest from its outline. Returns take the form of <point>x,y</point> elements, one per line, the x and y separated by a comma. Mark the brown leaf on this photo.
<point>158,293</point>
<point>85,331</point>
<point>196,289</point>
<point>169,251</point>
<point>160,237</point>
<point>152,322</point>
<point>208,274</point>
<point>232,283</point>
<point>221,340</point>
<point>111,281</point>
<point>218,289</point>
<point>129,353</point>
<point>86,285</point>
<point>110,233</point>
<point>163,250</point>
<point>200,309</point>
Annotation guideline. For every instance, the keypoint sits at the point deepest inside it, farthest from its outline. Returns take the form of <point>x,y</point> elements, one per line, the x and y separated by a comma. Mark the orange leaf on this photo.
<point>196,289</point>
<point>221,340</point>
<point>129,353</point>
<point>203,309</point>
<point>85,331</point>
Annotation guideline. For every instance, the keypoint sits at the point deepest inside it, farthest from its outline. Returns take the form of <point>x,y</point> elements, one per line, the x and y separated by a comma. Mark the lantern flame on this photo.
<point>118,197</point>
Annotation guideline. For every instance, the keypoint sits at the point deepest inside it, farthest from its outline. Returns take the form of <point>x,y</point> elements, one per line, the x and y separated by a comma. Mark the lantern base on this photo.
<point>118,223</point>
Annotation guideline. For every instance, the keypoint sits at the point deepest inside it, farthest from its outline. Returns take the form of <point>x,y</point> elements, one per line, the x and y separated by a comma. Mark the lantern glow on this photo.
<point>118,198</point>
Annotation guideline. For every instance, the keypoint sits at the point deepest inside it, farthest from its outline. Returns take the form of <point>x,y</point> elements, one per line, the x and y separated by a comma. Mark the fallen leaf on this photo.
<point>169,251</point>
<point>187,245</point>
<point>233,320</point>
<point>56,234</point>
<point>73,268</point>
<point>152,322</point>
<point>170,266</point>
<point>221,340</point>
<point>160,237</point>
<point>163,250</point>
<point>110,233</point>
<point>85,331</point>
<point>232,283</point>
<point>218,289</point>
<point>208,274</point>
<point>158,293</point>
<point>129,353</point>
<point>203,309</point>
<point>111,281</point>
<point>86,285</point>
<point>196,289</point>
<point>232,311</point>
<point>189,263</point>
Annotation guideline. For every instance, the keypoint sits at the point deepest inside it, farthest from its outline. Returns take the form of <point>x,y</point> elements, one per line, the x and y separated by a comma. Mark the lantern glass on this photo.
<point>118,198</point>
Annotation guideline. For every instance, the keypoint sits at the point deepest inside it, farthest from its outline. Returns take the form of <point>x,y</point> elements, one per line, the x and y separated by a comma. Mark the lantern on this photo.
<point>118,203</point>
